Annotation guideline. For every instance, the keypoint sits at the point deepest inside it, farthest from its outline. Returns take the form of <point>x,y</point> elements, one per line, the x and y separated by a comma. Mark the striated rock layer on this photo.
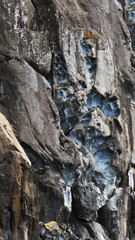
<point>67,131</point>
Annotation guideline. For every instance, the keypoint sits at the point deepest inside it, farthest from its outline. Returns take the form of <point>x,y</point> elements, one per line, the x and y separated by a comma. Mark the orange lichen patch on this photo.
<point>87,33</point>
<point>92,36</point>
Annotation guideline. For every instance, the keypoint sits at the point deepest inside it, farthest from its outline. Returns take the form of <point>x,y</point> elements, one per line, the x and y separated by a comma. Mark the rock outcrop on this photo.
<point>67,103</point>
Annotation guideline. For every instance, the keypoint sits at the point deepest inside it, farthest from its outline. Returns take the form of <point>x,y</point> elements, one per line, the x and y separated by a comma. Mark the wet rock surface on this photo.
<point>67,89</point>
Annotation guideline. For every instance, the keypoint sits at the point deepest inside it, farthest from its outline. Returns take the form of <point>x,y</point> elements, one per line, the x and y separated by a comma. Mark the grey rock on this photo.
<point>67,89</point>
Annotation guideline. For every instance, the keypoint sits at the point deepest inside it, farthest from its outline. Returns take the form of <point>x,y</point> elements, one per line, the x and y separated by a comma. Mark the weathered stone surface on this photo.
<point>67,89</point>
<point>117,206</point>
<point>13,161</point>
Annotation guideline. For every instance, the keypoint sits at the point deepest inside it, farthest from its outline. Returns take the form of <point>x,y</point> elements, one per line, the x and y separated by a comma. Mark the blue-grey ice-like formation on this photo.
<point>89,61</point>
<point>109,106</point>
<point>102,174</point>
<point>78,122</point>
<point>131,1</point>
<point>131,11</point>
<point>60,71</point>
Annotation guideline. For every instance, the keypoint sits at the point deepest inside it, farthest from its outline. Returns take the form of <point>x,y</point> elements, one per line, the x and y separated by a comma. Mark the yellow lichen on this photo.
<point>51,226</point>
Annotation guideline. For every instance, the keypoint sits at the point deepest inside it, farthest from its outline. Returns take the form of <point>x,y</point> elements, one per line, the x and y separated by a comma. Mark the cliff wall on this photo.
<point>67,131</point>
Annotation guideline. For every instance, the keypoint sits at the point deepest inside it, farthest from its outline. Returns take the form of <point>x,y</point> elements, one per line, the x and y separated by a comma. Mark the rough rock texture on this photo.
<point>67,162</point>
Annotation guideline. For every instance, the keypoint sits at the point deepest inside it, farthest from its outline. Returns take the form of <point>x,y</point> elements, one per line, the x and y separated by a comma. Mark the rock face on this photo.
<point>67,103</point>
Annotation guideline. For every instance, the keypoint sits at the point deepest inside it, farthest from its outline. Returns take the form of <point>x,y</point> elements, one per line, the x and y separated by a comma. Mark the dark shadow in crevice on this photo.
<point>118,126</point>
<point>33,156</point>
<point>49,78</point>
<point>36,67</point>
<point>12,222</point>
<point>104,219</point>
